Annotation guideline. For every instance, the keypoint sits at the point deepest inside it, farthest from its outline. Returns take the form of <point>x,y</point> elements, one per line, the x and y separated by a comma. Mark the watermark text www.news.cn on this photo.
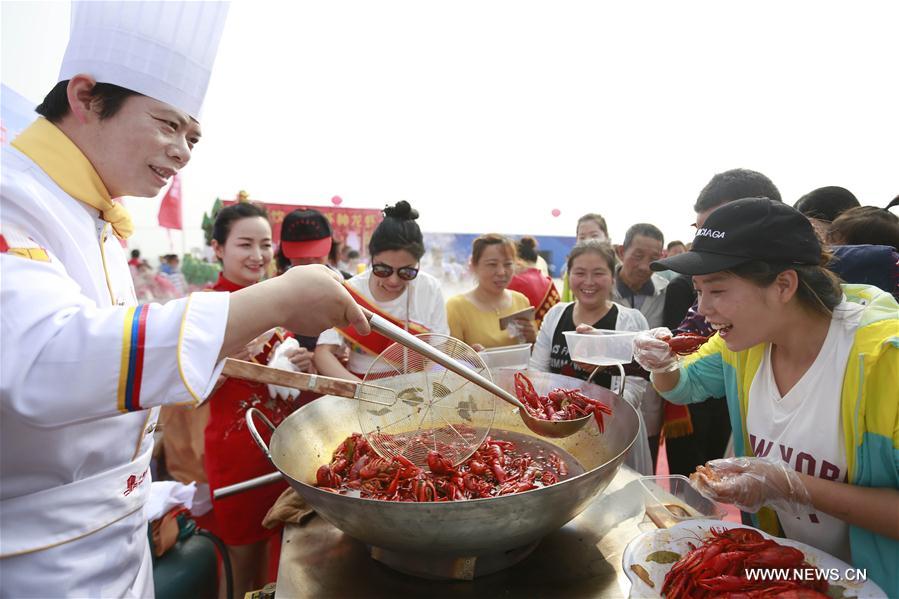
<point>807,574</point>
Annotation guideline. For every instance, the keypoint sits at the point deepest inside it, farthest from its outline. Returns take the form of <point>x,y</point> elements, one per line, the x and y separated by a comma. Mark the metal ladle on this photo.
<point>544,428</point>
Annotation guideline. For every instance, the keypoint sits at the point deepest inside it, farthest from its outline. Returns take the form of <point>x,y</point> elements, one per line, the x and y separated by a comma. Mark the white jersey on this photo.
<point>422,303</point>
<point>804,429</point>
<point>83,369</point>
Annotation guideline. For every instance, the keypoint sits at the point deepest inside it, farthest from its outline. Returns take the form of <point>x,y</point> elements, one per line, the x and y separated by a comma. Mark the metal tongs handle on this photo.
<point>309,382</point>
<point>407,339</point>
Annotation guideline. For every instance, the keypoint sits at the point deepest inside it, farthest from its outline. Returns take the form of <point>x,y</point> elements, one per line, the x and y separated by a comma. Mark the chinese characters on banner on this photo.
<point>352,226</point>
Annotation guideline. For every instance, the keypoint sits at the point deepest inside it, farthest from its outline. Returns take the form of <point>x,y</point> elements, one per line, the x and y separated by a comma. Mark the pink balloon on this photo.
<point>337,200</point>
<point>556,212</point>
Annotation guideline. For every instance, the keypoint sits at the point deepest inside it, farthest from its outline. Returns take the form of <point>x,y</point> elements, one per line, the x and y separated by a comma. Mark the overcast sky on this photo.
<point>487,115</point>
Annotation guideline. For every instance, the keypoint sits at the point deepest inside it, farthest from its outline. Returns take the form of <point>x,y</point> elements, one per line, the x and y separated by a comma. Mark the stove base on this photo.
<point>449,568</point>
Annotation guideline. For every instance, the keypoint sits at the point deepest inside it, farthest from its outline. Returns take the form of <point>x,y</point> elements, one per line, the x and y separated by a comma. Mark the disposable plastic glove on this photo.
<point>750,483</point>
<point>652,352</point>
<point>280,359</point>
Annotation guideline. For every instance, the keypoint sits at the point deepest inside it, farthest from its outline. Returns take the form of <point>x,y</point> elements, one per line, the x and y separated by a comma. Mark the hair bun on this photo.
<point>528,242</point>
<point>401,211</point>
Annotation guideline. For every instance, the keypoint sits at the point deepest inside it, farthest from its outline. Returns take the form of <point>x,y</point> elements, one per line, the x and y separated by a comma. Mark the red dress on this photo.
<point>231,454</point>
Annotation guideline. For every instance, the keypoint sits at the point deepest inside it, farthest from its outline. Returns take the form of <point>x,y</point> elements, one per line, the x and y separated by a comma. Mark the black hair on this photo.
<point>135,253</point>
<point>398,231</point>
<point>826,203</point>
<point>735,184</point>
<point>282,262</point>
<point>352,255</point>
<point>527,249</point>
<point>671,244</point>
<point>865,225</point>
<point>228,215</point>
<point>56,103</point>
<point>644,229</point>
<point>334,252</point>
<point>818,290</point>
<point>593,246</point>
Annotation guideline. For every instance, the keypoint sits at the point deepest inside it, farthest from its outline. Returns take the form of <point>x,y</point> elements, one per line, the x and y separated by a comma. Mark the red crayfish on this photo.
<point>685,343</point>
<point>496,468</point>
<point>717,568</point>
<point>559,404</point>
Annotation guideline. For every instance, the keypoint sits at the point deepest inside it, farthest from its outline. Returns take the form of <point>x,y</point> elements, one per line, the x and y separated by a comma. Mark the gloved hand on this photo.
<point>652,352</point>
<point>750,483</point>
<point>280,358</point>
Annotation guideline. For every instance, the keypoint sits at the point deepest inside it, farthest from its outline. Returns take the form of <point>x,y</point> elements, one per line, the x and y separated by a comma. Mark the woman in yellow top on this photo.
<point>474,316</point>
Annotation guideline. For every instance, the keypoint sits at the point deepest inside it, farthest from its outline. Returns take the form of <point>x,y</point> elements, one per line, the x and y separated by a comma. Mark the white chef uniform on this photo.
<point>82,367</point>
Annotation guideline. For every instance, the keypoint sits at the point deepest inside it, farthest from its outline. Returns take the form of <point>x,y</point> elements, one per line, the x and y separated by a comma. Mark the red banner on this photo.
<point>170,208</point>
<point>352,226</point>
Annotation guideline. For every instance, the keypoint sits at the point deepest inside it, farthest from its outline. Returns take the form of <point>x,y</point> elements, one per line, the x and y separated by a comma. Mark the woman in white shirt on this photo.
<point>394,288</point>
<point>590,268</point>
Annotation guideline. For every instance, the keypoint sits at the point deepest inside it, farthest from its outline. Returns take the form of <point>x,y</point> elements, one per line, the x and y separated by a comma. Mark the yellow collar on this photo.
<point>60,158</point>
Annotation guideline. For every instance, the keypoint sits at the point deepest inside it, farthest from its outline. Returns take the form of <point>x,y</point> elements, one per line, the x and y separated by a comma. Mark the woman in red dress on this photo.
<point>529,280</point>
<point>242,240</point>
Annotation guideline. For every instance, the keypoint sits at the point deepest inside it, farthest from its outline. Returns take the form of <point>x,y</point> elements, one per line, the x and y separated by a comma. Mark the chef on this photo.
<point>83,368</point>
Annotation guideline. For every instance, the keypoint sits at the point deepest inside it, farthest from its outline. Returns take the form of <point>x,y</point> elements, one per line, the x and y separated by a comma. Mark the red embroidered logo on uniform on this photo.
<point>134,482</point>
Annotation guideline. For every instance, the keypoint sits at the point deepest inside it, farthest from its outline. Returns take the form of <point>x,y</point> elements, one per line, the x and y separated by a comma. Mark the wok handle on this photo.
<point>298,380</point>
<point>246,485</point>
<point>255,434</point>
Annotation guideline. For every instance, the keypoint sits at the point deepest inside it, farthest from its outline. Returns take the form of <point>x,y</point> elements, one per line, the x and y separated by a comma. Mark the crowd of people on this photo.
<point>611,286</point>
<point>799,305</point>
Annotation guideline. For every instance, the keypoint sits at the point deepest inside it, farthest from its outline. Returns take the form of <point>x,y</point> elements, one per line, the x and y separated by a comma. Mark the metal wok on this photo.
<point>304,441</point>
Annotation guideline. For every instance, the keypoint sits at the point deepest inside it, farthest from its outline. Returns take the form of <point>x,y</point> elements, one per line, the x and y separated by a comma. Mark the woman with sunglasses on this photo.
<point>393,288</point>
<point>474,316</point>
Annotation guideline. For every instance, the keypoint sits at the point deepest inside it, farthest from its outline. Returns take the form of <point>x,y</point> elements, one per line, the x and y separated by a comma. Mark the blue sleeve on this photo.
<point>701,375</point>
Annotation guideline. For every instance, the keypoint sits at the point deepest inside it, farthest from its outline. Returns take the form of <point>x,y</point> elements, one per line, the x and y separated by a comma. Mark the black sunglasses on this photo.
<point>382,271</point>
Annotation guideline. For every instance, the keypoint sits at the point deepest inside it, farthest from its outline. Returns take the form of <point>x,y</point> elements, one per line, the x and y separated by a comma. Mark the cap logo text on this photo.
<point>713,233</point>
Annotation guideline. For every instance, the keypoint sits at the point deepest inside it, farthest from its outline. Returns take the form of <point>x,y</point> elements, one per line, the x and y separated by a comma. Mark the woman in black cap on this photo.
<point>809,368</point>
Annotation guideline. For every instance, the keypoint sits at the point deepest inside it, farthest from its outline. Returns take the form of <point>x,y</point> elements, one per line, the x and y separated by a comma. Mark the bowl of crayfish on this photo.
<point>699,559</point>
<point>536,484</point>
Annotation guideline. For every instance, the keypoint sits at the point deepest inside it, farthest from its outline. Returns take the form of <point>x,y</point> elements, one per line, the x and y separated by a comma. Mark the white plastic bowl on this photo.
<point>507,356</point>
<point>601,347</point>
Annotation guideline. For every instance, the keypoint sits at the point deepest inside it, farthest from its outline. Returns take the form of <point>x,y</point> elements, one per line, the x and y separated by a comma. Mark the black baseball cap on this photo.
<point>826,203</point>
<point>305,234</point>
<point>744,231</point>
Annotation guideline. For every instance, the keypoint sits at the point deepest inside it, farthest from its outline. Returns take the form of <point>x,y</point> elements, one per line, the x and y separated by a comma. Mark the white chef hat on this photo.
<point>161,49</point>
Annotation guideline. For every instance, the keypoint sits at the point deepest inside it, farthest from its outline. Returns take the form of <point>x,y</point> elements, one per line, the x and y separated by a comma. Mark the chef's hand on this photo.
<point>652,352</point>
<point>306,300</point>
<point>314,299</point>
<point>750,483</point>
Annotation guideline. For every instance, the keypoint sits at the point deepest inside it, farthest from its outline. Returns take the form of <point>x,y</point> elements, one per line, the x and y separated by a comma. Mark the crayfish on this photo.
<point>717,568</point>
<point>685,343</point>
<point>559,404</point>
<point>496,468</point>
